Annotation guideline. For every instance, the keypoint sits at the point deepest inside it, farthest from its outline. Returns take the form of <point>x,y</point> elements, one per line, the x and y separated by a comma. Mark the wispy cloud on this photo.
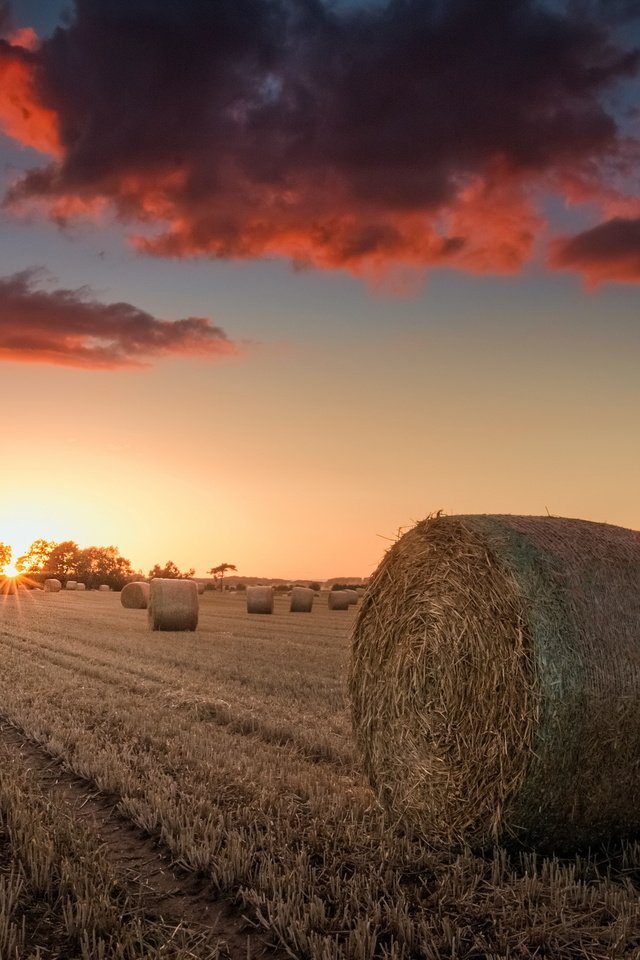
<point>72,328</point>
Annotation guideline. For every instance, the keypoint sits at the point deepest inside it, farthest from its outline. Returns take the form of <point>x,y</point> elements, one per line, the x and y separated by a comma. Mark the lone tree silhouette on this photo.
<point>219,571</point>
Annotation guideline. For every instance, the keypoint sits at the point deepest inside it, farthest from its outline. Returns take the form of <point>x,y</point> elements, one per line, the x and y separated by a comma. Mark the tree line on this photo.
<point>91,565</point>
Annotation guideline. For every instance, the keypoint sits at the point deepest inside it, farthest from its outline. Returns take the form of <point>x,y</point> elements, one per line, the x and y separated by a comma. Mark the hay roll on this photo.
<point>81,586</point>
<point>71,585</point>
<point>301,600</point>
<point>52,585</point>
<point>104,588</point>
<point>173,604</point>
<point>259,599</point>
<point>495,681</point>
<point>339,600</point>
<point>135,595</point>
<point>353,596</point>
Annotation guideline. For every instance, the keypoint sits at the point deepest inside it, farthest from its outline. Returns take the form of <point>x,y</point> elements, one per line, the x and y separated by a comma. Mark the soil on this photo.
<point>164,889</point>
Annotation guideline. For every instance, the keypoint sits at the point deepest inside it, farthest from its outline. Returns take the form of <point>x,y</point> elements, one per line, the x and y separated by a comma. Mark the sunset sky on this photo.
<point>278,278</point>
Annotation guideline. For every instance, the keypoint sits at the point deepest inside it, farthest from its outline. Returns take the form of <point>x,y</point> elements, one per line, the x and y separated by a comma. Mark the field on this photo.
<point>198,795</point>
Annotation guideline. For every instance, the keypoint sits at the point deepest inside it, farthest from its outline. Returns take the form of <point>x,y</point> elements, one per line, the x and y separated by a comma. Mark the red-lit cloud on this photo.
<point>415,133</point>
<point>609,251</point>
<point>71,328</point>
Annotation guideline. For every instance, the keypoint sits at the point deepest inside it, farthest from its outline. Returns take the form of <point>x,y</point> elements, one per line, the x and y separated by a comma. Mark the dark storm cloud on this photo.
<point>71,328</point>
<point>281,127</point>
<point>609,251</point>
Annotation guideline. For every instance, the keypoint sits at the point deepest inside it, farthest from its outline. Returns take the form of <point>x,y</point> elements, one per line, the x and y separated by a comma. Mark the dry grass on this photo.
<point>232,748</point>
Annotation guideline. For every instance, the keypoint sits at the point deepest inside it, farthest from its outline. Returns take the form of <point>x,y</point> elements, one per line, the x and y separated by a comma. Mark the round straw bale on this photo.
<point>259,599</point>
<point>200,587</point>
<point>135,595</point>
<point>495,681</point>
<point>353,596</point>
<point>52,586</point>
<point>339,600</point>
<point>81,586</point>
<point>104,587</point>
<point>71,585</point>
<point>173,604</point>
<point>301,600</point>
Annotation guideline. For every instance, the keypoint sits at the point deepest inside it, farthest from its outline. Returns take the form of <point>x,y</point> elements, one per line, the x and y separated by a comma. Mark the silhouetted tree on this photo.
<point>63,559</point>
<point>170,572</point>
<point>36,559</point>
<point>219,571</point>
<point>96,565</point>
<point>5,555</point>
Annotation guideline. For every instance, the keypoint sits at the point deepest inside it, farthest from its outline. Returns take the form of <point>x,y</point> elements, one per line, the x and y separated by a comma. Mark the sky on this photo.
<point>280,278</point>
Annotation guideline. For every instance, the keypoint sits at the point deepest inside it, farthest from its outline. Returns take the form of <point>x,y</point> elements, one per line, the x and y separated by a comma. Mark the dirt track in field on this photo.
<point>164,890</point>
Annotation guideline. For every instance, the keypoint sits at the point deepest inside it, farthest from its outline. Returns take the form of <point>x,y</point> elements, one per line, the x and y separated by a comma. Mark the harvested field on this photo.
<point>228,753</point>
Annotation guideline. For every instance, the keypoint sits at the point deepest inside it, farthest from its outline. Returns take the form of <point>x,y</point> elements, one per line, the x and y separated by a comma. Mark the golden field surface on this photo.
<point>198,795</point>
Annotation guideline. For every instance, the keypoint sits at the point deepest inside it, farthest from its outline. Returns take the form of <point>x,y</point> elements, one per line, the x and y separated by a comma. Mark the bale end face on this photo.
<point>52,585</point>
<point>173,605</point>
<point>135,595</point>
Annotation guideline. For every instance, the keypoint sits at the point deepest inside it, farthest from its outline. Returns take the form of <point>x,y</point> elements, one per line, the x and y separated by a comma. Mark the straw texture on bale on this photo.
<point>495,681</point>
<point>104,587</point>
<point>135,595</point>
<point>173,604</point>
<point>339,600</point>
<point>52,585</point>
<point>259,599</point>
<point>81,586</point>
<point>301,600</point>
<point>71,585</point>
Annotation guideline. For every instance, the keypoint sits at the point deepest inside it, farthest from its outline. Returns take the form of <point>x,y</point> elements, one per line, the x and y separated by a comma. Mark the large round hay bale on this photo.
<point>173,604</point>
<point>71,585</point>
<point>81,586</point>
<point>495,681</point>
<point>338,600</point>
<point>259,599</point>
<point>135,595</point>
<point>51,585</point>
<point>104,588</point>
<point>301,600</point>
<point>353,596</point>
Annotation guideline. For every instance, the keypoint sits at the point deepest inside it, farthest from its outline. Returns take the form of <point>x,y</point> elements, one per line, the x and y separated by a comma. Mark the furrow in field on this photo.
<point>200,708</point>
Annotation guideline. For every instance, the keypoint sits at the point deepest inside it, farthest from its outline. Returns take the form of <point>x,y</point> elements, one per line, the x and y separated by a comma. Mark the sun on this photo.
<point>10,570</point>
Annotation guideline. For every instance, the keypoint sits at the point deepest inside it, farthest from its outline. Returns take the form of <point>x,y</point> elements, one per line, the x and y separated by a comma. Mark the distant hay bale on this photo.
<point>173,604</point>
<point>259,599</point>
<point>495,681</point>
<point>200,587</point>
<point>339,600</point>
<point>353,596</point>
<point>104,587</point>
<point>52,585</point>
<point>71,585</point>
<point>301,600</point>
<point>135,595</point>
<point>81,586</point>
